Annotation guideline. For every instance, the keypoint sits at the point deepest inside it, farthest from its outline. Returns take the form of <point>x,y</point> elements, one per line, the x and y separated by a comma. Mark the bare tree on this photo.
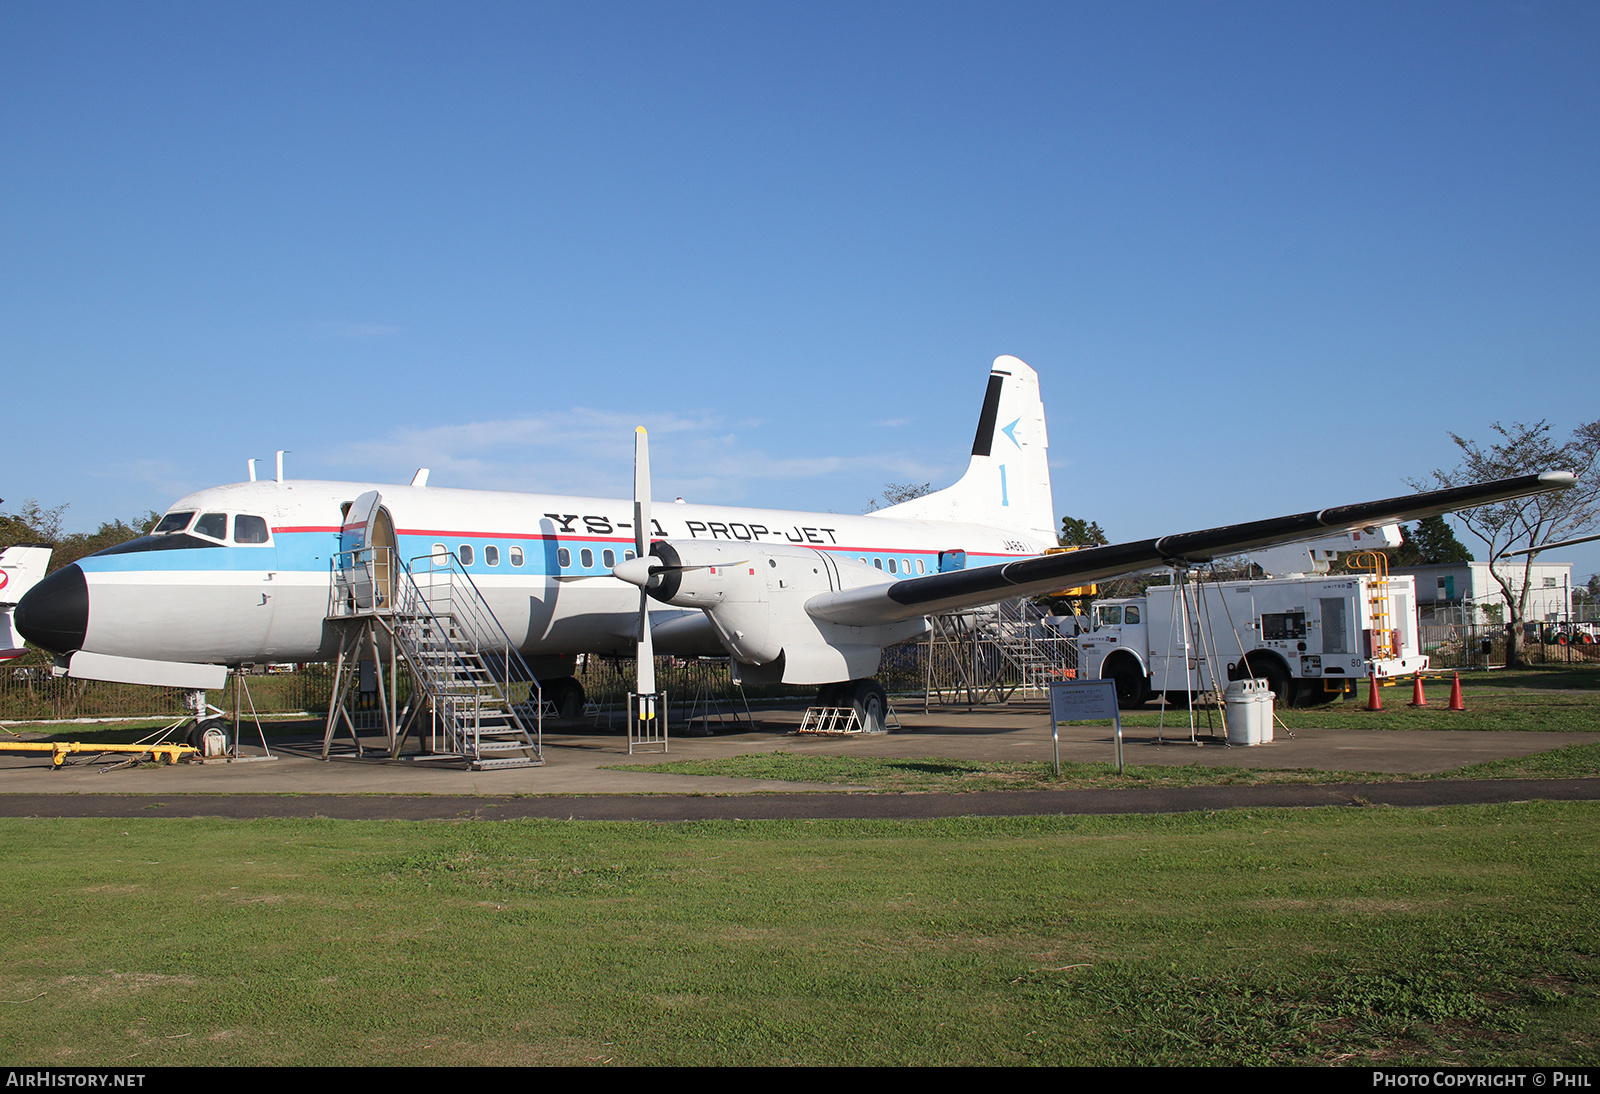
<point>1527,522</point>
<point>896,492</point>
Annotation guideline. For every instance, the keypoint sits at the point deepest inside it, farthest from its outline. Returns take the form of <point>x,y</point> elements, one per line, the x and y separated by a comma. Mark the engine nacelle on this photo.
<point>755,597</point>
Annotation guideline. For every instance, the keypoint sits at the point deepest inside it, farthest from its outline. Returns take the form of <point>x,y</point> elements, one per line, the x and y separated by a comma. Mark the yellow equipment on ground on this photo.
<point>59,750</point>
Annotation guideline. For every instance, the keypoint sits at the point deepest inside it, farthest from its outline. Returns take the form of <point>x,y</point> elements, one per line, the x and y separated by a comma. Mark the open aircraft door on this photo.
<point>367,553</point>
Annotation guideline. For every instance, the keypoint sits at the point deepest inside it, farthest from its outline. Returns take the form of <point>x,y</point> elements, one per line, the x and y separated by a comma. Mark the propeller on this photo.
<point>647,570</point>
<point>641,543</point>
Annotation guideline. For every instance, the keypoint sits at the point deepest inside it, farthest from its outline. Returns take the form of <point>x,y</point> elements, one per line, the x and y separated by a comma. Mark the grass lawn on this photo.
<point>1352,936</point>
<point>947,775</point>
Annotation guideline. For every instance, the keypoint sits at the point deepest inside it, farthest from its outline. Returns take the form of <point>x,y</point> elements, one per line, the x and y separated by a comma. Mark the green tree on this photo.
<point>1526,522</point>
<point>1433,542</point>
<point>32,523</point>
<point>1076,532</point>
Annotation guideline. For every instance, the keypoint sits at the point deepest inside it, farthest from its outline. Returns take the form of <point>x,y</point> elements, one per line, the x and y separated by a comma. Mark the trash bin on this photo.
<point>1249,708</point>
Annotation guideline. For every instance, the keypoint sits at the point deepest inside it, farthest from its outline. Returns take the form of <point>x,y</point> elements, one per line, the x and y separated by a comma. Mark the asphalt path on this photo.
<point>667,808</point>
<point>590,776</point>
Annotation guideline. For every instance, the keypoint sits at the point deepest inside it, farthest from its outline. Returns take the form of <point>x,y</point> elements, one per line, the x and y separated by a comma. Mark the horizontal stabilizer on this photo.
<point>135,670</point>
<point>891,601</point>
<point>21,567</point>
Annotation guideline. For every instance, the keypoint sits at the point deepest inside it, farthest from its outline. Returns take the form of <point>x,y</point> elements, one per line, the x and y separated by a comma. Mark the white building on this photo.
<point>1466,592</point>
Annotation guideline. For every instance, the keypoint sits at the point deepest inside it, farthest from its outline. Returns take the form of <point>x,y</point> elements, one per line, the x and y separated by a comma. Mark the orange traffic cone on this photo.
<point>1373,702</point>
<point>1417,698</point>
<point>1455,695</point>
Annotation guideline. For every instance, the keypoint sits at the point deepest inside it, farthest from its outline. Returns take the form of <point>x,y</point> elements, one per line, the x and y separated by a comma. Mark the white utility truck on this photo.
<point>1309,636</point>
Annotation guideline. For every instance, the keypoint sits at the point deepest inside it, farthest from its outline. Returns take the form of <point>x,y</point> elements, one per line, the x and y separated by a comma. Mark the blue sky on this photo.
<point>1264,256</point>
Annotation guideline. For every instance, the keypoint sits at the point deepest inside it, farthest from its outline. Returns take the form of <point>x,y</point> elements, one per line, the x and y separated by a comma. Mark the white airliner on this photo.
<point>241,573</point>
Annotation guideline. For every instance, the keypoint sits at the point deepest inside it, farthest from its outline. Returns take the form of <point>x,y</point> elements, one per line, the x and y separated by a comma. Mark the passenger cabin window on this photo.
<point>608,558</point>
<point>491,555</point>
<point>878,562</point>
<point>441,556</point>
<point>921,569</point>
<point>172,522</point>
<point>516,556</point>
<point>214,525</point>
<point>249,529</point>
<point>464,552</point>
<point>892,566</point>
<point>627,554</point>
<point>586,557</point>
<point>563,558</point>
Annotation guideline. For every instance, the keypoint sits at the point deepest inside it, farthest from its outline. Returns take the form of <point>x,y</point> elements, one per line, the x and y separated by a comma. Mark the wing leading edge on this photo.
<point>893,601</point>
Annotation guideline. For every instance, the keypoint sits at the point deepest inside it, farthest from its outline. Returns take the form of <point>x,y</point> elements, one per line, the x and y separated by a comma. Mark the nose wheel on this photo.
<point>209,737</point>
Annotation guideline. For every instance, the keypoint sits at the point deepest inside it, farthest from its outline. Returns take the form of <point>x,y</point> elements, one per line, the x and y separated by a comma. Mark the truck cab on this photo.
<point>1118,645</point>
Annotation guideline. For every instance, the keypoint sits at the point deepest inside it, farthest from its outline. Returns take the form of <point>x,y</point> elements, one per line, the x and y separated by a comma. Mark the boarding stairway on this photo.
<point>998,650</point>
<point>1024,640</point>
<point>473,697</point>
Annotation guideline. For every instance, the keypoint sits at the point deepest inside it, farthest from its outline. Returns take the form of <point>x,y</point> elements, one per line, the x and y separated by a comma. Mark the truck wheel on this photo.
<point>1130,683</point>
<point>1315,694</point>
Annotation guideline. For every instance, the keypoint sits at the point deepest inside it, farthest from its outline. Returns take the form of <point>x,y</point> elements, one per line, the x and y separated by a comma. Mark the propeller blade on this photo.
<point>641,492</point>
<point>646,657</point>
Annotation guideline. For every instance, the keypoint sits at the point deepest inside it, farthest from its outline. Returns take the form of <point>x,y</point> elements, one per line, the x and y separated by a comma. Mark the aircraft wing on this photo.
<point>890,602</point>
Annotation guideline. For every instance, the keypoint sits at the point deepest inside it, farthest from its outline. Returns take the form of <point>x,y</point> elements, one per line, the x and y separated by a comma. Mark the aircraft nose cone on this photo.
<point>55,613</point>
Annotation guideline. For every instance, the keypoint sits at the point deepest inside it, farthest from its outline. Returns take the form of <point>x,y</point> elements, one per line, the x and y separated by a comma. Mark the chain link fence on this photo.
<point>1475,645</point>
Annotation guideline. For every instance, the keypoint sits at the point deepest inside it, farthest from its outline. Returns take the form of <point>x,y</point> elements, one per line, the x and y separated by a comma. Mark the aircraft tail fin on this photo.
<point>1007,484</point>
<point>21,568</point>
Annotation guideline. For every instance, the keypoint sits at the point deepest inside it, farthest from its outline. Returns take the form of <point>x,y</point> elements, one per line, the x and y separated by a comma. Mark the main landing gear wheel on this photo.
<point>566,695</point>
<point>831,695</point>
<point>871,704</point>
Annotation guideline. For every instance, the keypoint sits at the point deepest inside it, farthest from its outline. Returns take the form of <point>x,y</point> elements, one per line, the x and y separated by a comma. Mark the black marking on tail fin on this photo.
<point>984,441</point>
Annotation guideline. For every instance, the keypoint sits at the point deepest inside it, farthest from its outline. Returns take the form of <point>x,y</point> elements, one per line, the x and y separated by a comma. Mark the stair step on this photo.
<point>487,765</point>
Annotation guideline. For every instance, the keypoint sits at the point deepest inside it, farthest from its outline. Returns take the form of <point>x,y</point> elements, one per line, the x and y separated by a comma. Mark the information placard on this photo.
<point>1083,701</point>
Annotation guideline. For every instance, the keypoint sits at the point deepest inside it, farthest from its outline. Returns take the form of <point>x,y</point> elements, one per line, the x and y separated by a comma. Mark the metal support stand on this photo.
<point>242,690</point>
<point>647,721</point>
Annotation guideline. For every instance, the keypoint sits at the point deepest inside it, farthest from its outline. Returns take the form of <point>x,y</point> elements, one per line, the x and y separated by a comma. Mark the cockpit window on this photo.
<point>249,529</point>
<point>214,525</point>
<point>172,522</point>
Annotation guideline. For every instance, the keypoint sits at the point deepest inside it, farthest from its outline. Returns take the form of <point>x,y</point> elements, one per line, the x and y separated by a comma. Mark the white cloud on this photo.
<point>590,452</point>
